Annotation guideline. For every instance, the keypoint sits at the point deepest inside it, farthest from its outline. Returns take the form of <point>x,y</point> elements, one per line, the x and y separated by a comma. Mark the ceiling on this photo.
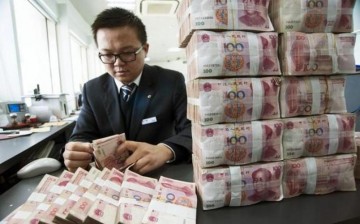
<point>162,29</point>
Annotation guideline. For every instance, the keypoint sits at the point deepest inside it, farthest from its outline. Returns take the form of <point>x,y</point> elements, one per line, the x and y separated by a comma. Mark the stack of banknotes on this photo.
<point>317,53</point>
<point>312,16</point>
<point>213,101</point>
<point>108,196</point>
<point>222,15</point>
<point>268,126</point>
<point>357,144</point>
<point>311,95</point>
<point>249,184</point>
<point>232,53</point>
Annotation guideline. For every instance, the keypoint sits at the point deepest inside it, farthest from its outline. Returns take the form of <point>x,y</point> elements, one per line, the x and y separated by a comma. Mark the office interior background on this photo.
<point>49,43</point>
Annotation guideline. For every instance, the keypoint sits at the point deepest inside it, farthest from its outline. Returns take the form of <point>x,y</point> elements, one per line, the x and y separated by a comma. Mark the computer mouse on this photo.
<point>38,167</point>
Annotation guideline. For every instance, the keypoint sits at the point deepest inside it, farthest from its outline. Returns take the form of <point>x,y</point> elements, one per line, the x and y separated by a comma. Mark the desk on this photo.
<point>306,209</point>
<point>12,150</point>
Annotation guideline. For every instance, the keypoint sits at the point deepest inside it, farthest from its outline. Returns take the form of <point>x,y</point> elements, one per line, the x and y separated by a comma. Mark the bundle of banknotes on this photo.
<point>357,144</point>
<point>238,143</point>
<point>319,135</point>
<point>317,53</point>
<point>312,16</point>
<point>108,196</point>
<point>312,95</point>
<point>230,100</point>
<point>232,53</point>
<point>249,184</point>
<point>222,15</point>
<point>320,175</point>
<point>238,185</point>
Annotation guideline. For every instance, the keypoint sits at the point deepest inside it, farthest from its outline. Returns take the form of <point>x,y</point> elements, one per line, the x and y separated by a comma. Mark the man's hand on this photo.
<point>77,154</point>
<point>146,157</point>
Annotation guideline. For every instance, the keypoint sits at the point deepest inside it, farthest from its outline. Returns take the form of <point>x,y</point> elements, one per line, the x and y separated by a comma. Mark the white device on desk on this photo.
<point>10,107</point>
<point>38,167</point>
<point>45,105</point>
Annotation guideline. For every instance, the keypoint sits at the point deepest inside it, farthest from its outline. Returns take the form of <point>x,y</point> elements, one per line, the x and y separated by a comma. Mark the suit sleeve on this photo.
<point>181,142</point>
<point>86,128</point>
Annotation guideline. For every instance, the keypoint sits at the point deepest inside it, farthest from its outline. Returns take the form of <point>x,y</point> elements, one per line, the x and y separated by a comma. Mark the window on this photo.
<point>37,47</point>
<point>79,63</point>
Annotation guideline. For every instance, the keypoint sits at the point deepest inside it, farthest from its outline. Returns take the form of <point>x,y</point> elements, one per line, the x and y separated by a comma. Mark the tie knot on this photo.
<point>127,91</point>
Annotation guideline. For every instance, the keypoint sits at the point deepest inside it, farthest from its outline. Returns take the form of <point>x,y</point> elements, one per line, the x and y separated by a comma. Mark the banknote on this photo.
<point>313,16</point>
<point>104,208</point>
<point>136,194</point>
<point>105,152</point>
<point>238,185</point>
<point>222,15</point>
<point>62,201</point>
<point>232,53</point>
<point>238,143</point>
<point>174,200</point>
<point>312,95</point>
<point>230,100</point>
<point>81,208</point>
<point>317,53</point>
<point>319,135</point>
<point>320,175</point>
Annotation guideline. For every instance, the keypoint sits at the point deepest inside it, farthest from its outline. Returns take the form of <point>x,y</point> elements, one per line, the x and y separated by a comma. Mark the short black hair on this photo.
<point>119,17</point>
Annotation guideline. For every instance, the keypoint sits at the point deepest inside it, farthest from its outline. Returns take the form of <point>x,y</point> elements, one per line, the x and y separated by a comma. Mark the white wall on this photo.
<point>176,65</point>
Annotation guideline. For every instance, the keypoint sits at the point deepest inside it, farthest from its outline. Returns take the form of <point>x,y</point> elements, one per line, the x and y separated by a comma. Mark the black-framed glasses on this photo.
<point>124,56</point>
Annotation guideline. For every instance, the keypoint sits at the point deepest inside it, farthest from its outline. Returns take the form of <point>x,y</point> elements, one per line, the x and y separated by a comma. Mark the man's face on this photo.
<point>120,40</point>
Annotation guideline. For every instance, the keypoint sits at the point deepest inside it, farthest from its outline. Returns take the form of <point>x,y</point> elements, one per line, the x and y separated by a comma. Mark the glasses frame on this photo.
<point>118,56</point>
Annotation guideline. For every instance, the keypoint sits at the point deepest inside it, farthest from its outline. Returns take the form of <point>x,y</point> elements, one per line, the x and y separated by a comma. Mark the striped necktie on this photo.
<point>127,90</point>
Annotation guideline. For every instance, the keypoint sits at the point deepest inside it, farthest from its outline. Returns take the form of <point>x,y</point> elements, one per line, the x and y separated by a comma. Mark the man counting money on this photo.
<point>147,103</point>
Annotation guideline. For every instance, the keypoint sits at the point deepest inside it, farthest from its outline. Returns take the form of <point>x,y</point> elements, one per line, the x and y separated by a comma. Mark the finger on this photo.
<point>126,146</point>
<point>79,146</point>
<point>72,165</point>
<point>74,155</point>
<point>139,164</point>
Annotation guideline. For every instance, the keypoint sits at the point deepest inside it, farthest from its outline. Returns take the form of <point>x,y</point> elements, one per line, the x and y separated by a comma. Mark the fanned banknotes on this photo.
<point>105,152</point>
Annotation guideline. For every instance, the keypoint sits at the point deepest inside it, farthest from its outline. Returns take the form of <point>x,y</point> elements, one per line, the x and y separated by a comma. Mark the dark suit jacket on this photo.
<point>161,94</point>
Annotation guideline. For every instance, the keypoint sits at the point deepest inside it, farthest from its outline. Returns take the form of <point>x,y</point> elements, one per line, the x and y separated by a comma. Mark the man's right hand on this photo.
<point>77,154</point>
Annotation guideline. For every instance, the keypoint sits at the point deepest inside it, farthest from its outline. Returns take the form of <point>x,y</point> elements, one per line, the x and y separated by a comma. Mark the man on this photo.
<point>152,113</point>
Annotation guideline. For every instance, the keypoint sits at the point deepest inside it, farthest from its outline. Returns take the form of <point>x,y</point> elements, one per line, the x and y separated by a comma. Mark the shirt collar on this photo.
<point>120,84</point>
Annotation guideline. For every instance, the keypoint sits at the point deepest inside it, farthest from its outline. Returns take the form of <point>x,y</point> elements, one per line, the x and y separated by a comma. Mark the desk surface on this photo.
<point>338,207</point>
<point>13,149</point>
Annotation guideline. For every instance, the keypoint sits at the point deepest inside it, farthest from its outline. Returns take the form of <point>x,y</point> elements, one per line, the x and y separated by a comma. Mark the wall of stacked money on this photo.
<point>266,96</point>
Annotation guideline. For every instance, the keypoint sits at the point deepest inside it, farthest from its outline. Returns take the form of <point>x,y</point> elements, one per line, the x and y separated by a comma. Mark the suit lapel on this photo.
<point>143,97</point>
<point>112,105</point>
